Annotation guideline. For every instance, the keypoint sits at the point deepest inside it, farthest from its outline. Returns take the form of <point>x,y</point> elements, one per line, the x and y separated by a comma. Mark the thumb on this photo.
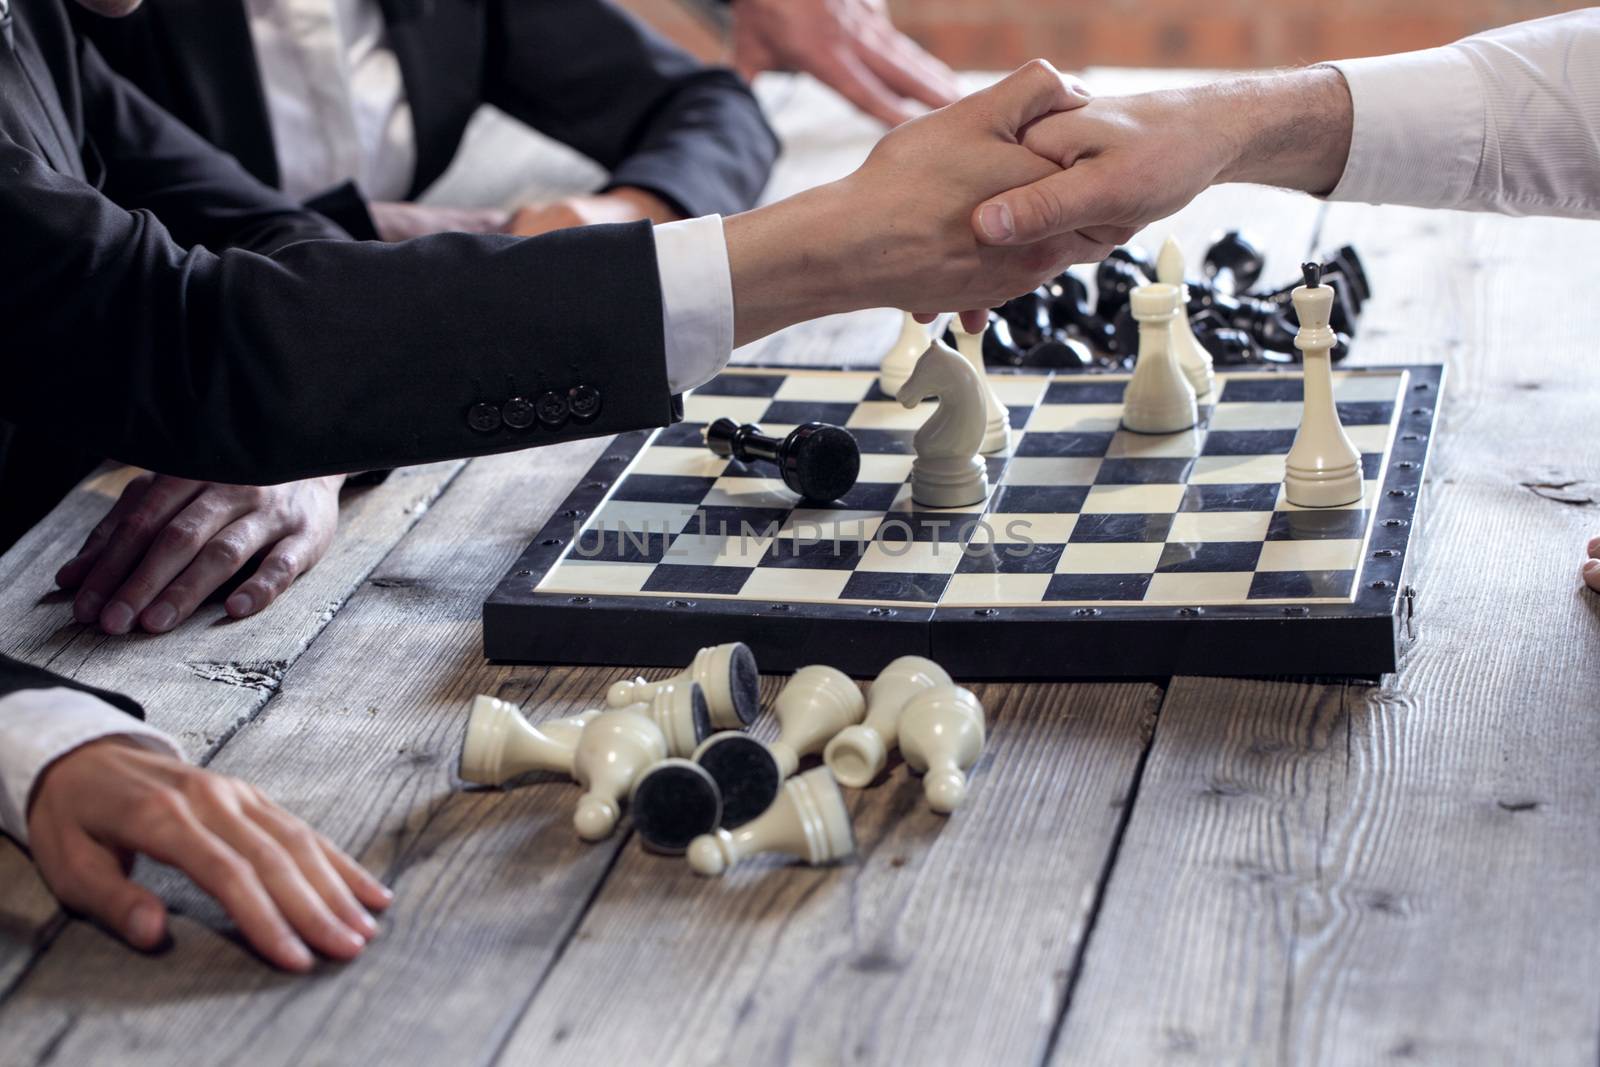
<point>97,887</point>
<point>1032,91</point>
<point>1054,205</point>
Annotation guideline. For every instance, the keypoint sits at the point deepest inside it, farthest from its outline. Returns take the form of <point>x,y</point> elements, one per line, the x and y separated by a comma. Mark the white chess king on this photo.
<point>1323,469</point>
<point>1159,398</point>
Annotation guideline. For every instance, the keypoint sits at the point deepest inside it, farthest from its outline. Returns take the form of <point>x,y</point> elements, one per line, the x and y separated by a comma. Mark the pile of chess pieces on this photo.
<point>1060,326</point>
<point>696,784</point>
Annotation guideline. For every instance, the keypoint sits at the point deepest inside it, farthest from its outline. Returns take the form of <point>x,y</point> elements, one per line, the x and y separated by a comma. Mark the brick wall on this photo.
<point>999,34</point>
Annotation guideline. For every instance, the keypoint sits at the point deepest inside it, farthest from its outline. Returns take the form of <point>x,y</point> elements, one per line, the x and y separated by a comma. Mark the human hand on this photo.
<point>1591,566</point>
<point>168,543</point>
<point>898,232</point>
<point>1128,161</point>
<point>622,204</point>
<point>285,885</point>
<point>403,221</point>
<point>848,45</point>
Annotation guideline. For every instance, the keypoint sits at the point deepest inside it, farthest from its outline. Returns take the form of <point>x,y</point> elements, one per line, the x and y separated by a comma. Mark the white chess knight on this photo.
<point>604,752</point>
<point>1159,398</point>
<point>902,357</point>
<point>817,703</point>
<point>947,471</point>
<point>809,820</point>
<point>997,424</point>
<point>728,675</point>
<point>941,736</point>
<point>1192,356</point>
<point>1323,469</point>
<point>858,754</point>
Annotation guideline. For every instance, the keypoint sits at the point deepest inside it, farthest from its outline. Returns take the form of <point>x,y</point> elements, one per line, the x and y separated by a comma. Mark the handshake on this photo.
<point>979,201</point>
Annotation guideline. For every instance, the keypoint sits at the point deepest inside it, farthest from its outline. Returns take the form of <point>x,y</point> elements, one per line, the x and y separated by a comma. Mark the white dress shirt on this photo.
<point>1505,121</point>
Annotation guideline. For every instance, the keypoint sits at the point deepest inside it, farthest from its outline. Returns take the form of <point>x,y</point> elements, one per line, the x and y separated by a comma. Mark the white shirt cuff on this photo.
<point>696,300</point>
<point>39,726</point>
<point>1418,128</point>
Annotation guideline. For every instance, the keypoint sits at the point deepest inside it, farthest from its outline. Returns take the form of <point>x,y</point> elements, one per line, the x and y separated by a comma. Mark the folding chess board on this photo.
<point>1099,552</point>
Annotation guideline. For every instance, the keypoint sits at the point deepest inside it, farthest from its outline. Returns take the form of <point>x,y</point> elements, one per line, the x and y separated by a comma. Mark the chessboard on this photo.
<point>1098,553</point>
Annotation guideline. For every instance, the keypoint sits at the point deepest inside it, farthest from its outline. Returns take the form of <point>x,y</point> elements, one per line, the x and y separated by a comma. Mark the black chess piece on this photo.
<point>1059,353</point>
<point>1073,317</point>
<point>818,461</point>
<point>1233,264</point>
<point>999,347</point>
<point>1137,257</point>
<point>1027,317</point>
<point>1229,347</point>
<point>1114,279</point>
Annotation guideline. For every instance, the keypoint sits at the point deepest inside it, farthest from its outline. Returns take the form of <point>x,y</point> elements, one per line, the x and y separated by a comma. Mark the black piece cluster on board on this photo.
<point>1059,326</point>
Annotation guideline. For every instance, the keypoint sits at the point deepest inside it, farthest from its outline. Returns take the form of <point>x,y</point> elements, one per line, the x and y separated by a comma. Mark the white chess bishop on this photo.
<point>1159,398</point>
<point>1192,355</point>
<point>947,471</point>
<point>817,703</point>
<point>858,754</point>
<point>997,417</point>
<point>1323,468</point>
<point>728,675</point>
<point>941,736</point>
<point>902,357</point>
<point>809,821</point>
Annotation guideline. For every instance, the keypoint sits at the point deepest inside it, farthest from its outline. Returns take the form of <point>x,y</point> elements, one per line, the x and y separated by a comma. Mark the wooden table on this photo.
<point>1184,870</point>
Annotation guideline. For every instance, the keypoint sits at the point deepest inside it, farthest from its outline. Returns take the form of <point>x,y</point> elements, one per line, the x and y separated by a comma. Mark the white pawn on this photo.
<point>1323,468</point>
<point>501,744</point>
<point>947,472</point>
<point>728,675</point>
<point>859,753</point>
<point>809,820</point>
<point>817,703</point>
<point>1159,398</point>
<point>681,714</point>
<point>1192,355</point>
<point>902,357</point>
<point>997,425</point>
<point>941,735</point>
<point>613,751</point>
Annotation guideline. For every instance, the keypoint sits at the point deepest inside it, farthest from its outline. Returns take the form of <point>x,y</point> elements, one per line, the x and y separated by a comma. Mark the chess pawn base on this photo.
<point>673,803</point>
<point>501,744</point>
<point>746,772</point>
<point>1323,488</point>
<point>941,736</point>
<point>809,820</point>
<point>902,358</point>
<point>858,754</point>
<point>728,675</point>
<point>949,483</point>
<point>682,715</point>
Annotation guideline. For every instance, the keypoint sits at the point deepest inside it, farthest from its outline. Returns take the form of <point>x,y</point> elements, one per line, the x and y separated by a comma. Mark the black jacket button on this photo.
<point>485,418</point>
<point>585,401</point>
<point>553,410</point>
<point>518,413</point>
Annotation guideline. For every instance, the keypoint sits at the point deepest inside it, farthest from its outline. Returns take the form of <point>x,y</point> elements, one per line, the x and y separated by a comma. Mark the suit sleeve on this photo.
<point>590,75</point>
<point>16,676</point>
<point>154,162</point>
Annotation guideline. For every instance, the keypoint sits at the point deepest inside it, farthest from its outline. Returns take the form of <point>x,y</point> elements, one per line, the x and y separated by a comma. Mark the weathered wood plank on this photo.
<point>201,681</point>
<point>1347,874</point>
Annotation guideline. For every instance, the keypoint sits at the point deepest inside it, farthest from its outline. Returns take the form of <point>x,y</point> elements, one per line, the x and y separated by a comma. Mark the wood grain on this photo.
<point>1322,873</point>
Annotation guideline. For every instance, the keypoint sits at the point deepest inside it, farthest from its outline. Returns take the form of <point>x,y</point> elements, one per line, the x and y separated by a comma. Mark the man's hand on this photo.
<point>1129,161</point>
<point>284,884</point>
<point>403,221</point>
<point>622,204</point>
<point>848,45</point>
<point>168,543</point>
<point>1590,570</point>
<point>898,232</point>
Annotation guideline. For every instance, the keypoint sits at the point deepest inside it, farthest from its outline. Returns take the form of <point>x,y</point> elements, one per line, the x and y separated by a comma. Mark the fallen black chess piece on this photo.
<point>818,461</point>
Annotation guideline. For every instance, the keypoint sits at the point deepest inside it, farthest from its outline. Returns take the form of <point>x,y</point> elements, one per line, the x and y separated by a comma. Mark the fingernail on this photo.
<point>352,940</point>
<point>160,618</point>
<point>1079,90</point>
<point>366,925</point>
<point>1589,565</point>
<point>996,222</point>
<point>117,618</point>
<point>240,604</point>
<point>1594,546</point>
<point>87,607</point>
<point>144,925</point>
<point>295,952</point>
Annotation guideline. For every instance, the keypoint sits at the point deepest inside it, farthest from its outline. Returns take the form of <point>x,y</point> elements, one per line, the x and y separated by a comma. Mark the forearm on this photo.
<point>1289,129</point>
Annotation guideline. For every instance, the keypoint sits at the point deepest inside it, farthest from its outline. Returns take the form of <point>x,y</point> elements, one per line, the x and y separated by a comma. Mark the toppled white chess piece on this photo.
<point>817,703</point>
<point>1192,355</point>
<point>1159,398</point>
<point>728,675</point>
<point>809,820</point>
<point>947,472</point>
<point>858,754</point>
<point>1323,469</point>
<point>997,417</point>
<point>941,736</point>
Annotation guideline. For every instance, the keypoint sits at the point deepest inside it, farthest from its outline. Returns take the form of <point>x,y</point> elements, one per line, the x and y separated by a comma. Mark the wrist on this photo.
<point>644,204</point>
<point>1290,130</point>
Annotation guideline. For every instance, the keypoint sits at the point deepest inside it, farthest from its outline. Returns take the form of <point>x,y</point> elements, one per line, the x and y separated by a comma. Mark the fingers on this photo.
<point>1030,92</point>
<point>906,69</point>
<point>371,892</point>
<point>975,321</point>
<point>288,560</point>
<point>73,571</point>
<point>202,538</point>
<point>307,850</point>
<point>845,72</point>
<point>89,879</point>
<point>1073,199</point>
<point>1591,566</point>
<point>127,543</point>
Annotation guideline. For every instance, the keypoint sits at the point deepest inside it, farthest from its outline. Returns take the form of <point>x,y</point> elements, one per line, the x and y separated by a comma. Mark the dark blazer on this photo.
<point>160,306</point>
<point>580,71</point>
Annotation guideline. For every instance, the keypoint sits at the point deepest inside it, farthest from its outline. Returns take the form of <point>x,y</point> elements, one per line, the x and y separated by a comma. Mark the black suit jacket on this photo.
<point>160,306</point>
<point>580,71</point>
